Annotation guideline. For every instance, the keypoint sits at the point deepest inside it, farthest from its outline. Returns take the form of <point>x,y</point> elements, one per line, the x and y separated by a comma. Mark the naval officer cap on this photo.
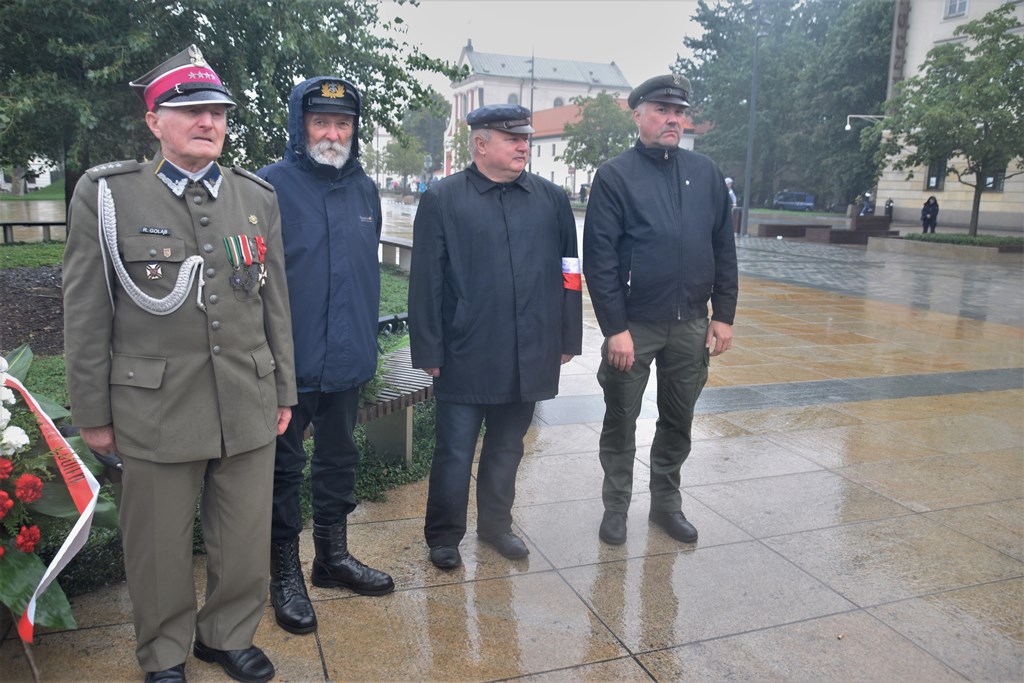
<point>670,89</point>
<point>332,96</point>
<point>511,118</point>
<point>182,80</point>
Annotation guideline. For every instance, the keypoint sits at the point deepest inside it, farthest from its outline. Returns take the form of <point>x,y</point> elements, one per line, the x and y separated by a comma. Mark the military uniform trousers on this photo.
<point>157,512</point>
<point>333,470</point>
<point>678,349</point>
<point>457,428</point>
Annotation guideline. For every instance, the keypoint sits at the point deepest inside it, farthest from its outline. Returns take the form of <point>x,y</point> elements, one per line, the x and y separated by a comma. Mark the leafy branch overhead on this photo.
<point>66,64</point>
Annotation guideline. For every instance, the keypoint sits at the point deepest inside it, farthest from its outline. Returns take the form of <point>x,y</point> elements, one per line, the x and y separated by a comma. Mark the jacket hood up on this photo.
<point>295,150</point>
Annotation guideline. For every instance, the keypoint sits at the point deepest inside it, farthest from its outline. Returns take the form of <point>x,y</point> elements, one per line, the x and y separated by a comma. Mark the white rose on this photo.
<point>6,396</point>
<point>3,365</point>
<point>14,440</point>
<point>5,418</point>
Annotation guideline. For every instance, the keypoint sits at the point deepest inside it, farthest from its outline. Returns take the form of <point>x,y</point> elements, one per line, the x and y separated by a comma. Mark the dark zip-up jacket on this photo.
<point>658,240</point>
<point>330,224</point>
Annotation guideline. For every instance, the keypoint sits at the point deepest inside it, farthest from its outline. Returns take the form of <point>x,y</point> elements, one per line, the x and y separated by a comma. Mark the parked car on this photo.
<point>793,201</point>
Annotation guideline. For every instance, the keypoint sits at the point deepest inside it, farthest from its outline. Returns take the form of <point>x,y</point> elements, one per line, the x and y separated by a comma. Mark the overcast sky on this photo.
<point>642,37</point>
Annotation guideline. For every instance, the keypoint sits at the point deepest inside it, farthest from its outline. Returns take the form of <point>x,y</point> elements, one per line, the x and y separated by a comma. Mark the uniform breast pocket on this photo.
<point>153,261</point>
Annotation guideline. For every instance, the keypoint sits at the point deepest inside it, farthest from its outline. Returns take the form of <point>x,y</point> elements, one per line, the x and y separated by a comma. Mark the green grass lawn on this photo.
<point>51,191</point>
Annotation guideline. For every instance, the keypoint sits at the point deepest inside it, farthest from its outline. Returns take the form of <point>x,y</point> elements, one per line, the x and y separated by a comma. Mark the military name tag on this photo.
<point>164,232</point>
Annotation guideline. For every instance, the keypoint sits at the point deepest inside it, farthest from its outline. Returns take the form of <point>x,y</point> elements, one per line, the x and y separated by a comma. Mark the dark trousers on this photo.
<point>333,471</point>
<point>457,427</point>
<point>682,361</point>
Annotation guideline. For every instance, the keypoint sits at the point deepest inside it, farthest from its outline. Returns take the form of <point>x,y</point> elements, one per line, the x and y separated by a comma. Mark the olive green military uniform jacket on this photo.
<point>207,378</point>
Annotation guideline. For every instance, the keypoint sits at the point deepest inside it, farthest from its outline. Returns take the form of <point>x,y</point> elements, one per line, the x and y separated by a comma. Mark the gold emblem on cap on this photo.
<point>252,219</point>
<point>332,90</point>
<point>195,56</point>
<point>676,79</point>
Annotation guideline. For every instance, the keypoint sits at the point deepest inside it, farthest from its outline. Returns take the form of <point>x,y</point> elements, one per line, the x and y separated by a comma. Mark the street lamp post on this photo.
<point>866,117</point>
<point>747,171</point>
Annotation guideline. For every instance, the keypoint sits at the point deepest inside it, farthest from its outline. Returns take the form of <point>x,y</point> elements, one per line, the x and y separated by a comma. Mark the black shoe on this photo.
<point>508,544</point>
<point>675,525</point>
<point>613,528</point>
<point>334,566</point>
<point>292,609</point>
<point>445,556</point>
<point>176,674</point>
<point>248,666</point>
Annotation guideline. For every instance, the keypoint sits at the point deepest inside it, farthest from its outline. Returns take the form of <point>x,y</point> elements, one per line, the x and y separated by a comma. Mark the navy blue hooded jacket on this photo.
<point>330,224</point>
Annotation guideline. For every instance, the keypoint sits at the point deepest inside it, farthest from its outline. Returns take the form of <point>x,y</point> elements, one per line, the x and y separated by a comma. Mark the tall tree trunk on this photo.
<point>979,187</point>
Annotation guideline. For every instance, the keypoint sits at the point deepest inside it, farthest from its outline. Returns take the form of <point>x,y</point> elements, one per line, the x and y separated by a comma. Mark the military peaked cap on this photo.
<point>670,88</point>
<point>182,80</point>
<point>511,118</point>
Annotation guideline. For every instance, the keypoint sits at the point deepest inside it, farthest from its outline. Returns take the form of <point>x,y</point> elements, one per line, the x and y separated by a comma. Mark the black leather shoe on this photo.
<point>335,567</point>
<point>508,544</point>
<point>675,525</point>
<point>445,556</point>
<point>292,609</point>
<point>176,674</point>
<point>613,528</point>
<point>248,666</point>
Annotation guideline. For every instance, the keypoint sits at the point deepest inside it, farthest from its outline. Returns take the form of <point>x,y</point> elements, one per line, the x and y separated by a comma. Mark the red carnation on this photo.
<point>28,488</point>
<point>5,468</point>
<point>27,538</point>
<point>5,504</point>
<point>1,552</point>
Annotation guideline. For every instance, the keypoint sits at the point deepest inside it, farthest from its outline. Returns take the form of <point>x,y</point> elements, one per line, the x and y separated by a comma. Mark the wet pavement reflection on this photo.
<point>857,477</point>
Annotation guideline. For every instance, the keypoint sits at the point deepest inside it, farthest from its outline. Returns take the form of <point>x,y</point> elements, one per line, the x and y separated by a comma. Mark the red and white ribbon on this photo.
<point>84,490</point>
<point>571,278</point>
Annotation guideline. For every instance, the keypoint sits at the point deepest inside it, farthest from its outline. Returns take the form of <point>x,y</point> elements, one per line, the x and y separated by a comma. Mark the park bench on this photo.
<point>8,227</point>
<point>388,420</point>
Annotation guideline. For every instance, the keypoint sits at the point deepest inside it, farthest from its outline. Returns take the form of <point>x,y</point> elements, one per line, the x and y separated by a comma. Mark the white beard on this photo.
<point>330,153</point>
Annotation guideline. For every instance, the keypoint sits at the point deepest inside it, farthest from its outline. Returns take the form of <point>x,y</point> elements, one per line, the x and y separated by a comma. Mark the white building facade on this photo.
<point>919,26</point>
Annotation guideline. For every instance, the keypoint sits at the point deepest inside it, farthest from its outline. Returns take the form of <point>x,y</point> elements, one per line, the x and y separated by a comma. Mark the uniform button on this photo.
<point>273,363</point>
<point>131,374</point>
<point>216,350</point>
<point>208,248</point>
<point>214,298</point>
<point>210,272</point>
<point>205,220</point>
<point>215,324</point>
<point>152,252</point>
<point>197,200</point>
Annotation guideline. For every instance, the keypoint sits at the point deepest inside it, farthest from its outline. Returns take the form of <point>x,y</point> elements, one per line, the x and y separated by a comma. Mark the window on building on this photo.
<point>559,102</point>
<point>936,177</point>
<point>513,99</point>
<point>994,182</point>
<point>480,97</point>
<point>538,152</point>
<point>956,8</point>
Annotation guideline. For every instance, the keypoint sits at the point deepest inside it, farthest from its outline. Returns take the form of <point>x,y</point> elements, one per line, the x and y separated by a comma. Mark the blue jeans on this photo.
<point>333,471</point>
<point>457,427</point>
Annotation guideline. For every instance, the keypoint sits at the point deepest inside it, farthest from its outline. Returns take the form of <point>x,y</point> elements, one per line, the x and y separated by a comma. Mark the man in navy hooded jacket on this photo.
<point>331,222</point>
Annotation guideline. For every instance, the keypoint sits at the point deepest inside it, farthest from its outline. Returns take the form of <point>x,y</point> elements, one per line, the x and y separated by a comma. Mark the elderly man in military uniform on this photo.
<point>179,358</point>
<point>495,308</point>
<point>657,245</point>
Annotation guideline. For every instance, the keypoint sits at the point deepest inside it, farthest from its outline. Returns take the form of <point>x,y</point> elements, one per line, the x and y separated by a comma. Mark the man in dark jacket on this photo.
<point>495,308</point>
<point>657,244</point>
<point>331,221</point>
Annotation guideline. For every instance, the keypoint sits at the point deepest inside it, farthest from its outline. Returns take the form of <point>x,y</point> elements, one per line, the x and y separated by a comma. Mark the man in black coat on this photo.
<point>495,308</point>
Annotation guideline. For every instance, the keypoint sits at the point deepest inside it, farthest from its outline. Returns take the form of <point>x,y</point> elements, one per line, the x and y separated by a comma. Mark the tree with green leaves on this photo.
<point>426,123</point>
<point>604,130</point>
<point>66,64</point>
<point>462,156</point>
<point>965,107</point>
<point>818,60</point>
<point>404,157</point>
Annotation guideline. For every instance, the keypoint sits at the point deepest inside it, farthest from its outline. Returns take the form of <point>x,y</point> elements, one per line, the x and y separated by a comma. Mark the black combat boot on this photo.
<point>292,608</point>
<point>334,567</point>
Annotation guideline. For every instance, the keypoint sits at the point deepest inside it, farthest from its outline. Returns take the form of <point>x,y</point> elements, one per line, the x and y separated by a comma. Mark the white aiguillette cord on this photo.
<point>108,238</point>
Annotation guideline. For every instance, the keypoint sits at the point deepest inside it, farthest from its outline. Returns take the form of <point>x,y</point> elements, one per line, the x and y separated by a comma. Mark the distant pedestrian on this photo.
<point>732,195</point>
<point>930,215</point>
